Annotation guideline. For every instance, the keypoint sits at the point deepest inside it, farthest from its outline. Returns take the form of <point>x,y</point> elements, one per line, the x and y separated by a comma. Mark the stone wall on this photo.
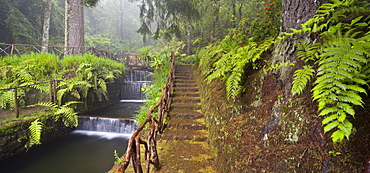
<point>14,136</point>
<point>114,96</point>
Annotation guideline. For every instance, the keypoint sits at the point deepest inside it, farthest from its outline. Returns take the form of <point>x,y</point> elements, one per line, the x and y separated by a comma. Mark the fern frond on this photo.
<point>301,78</point>
<point>35,130</point>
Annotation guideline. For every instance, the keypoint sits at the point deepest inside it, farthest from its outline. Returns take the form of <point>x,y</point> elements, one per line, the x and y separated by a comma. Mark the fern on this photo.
<point>231,65</point>
<point>308,51</point>
<point>342,60</point>
<point>301,78</point>
<point>35,130</point>
<point>65,112</point>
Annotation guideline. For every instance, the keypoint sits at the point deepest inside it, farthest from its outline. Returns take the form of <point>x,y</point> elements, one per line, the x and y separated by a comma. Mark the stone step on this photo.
<point>177,137</point>
<point>183,67</point>
<point>180,78</point>
<point>181,81</point>
<point>185,107</point>
<point>183,134</point>
<point>187,126</point>
<point>185,100</point>
<point>186,94</point>
<point>185,84</point>
<point>186,89</point>
<point>187,115</point>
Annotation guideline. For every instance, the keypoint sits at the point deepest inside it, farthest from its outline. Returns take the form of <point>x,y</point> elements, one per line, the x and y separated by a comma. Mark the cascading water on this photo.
<point>135,83</point>
<point>89,148</point>
<point>111,125</point>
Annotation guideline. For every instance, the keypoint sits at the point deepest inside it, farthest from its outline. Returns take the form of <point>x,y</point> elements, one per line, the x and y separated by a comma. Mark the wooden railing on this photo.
<point>52,95</point>
<point>156,125</point>
<point>129,59</point>
<point>17,49</point>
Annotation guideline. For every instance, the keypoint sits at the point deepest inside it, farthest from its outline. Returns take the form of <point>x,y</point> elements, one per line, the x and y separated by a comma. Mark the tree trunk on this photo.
<point>295,13</point>
<point>188,39</point>
<point>46,27</point>
<point>74,29</point>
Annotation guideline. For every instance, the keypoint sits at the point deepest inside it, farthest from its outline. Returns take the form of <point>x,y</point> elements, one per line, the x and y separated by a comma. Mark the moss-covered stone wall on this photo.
<point>14,135</point>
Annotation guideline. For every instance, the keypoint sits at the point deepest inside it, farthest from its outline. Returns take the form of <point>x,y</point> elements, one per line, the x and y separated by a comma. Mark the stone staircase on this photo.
<point>183,145</point>
<point>186,120</point>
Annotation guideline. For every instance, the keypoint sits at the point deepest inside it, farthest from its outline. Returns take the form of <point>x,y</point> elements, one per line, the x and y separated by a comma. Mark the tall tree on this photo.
<point>167,17</point>
<point>74,21</point>
<point>295,13</point>
<point>46,26</point>
<point>122,17</point>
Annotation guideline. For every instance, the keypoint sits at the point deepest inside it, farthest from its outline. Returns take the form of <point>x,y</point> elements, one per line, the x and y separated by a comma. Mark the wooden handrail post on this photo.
<point>11,50</point>
<point>55,91</point>
<point>51,91</point>
<point>139,169</point>
<point>16,103</point>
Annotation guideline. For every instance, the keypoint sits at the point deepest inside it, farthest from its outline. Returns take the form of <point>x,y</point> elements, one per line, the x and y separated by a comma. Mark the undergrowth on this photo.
<point>337,64</point>
<point>81,78</point>
<point>159,59</point>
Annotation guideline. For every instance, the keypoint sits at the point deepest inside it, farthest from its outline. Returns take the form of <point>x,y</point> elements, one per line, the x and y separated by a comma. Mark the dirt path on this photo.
<point>184,147</point>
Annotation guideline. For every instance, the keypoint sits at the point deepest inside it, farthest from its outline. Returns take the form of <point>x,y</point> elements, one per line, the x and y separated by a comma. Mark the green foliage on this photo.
<point>334,153</point>
<point>156,57</point>
<point>84,76</point>
<point>342,59</point>
<point>229,61</point>
<point>301,78</point>
<point>118,159</point>
<point>244,45</point>
<point>22,21</point>
<point>267,22</point>
<point>279,65</point>
<point>168,15</point>
<point>87,74</point>
<point>35,133</point>
<point>65,112</point>
<point>20,26</point>
<point>160,60</point>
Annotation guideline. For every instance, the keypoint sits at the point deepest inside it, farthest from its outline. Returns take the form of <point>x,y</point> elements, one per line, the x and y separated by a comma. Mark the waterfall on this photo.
<point>136,81</point>
<point>110,125</point>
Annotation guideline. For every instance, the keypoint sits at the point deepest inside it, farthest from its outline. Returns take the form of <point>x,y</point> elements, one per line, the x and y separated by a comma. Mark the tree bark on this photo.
<point>188,39</point>
<point>295,13</point>
<point>46,27</point>
<point>74,29</point>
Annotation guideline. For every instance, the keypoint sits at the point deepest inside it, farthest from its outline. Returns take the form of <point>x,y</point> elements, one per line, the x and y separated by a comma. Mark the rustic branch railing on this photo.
<point>52,95</point>
<point>155,126</point>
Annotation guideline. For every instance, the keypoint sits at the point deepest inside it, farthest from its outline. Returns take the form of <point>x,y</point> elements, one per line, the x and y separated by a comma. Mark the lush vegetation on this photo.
<point>81,78</point>
<point>240,50</point>
<point>337,64</point>
<point>122,17</point>
<point>159,58</point>
<point>21,22</point>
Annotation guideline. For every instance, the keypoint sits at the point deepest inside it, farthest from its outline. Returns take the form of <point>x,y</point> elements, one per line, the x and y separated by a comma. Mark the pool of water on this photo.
<point>79,152</point>
<point>117,110</point>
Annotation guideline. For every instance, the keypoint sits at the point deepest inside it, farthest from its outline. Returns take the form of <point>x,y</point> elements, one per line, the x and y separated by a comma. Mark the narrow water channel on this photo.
<point>82,151</point>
